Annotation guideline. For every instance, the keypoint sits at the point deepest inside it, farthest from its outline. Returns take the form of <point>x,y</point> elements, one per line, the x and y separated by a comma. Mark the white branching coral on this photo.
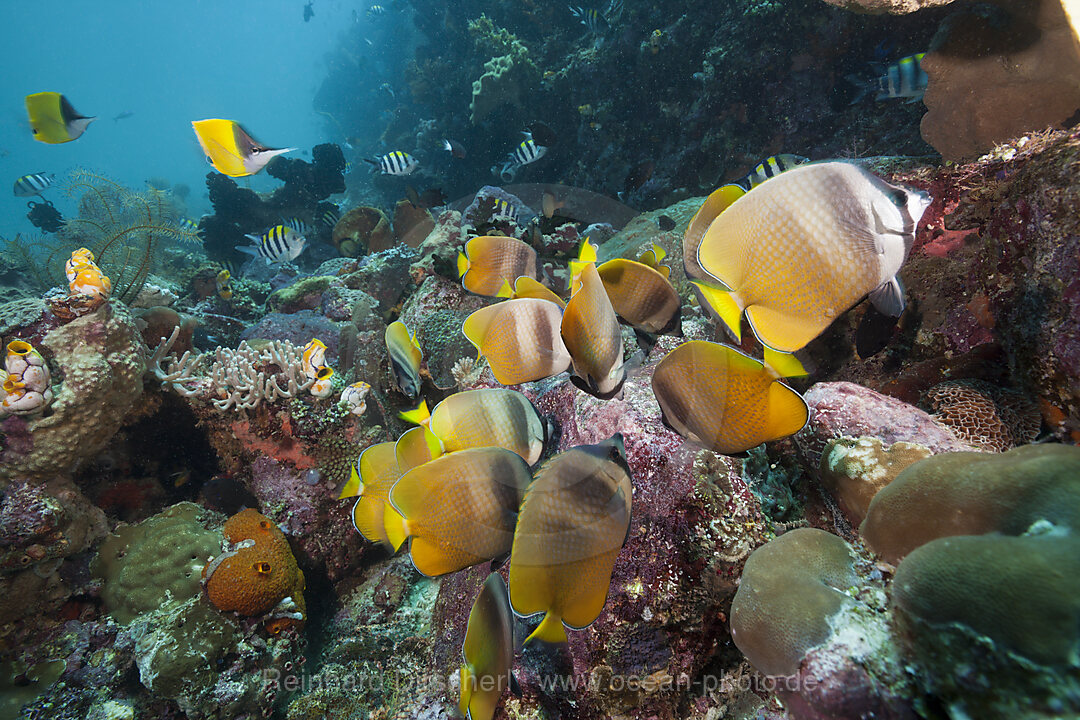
<point>233,379</point>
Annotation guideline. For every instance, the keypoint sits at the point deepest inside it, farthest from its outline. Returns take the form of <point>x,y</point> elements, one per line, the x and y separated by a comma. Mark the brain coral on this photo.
<point>258,573</point>
<point>984,415</point>
<point>790,589</point>
<point>100,358</point>
<point>974,494</point>
<point>156,562</point>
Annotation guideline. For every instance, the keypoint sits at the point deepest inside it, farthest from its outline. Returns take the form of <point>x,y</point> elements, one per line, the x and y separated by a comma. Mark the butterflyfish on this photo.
<point>527,287</point>
<point>460,509</point>
<point>313,357</point>
<point>728,402</point>
<point>486,417</point>
<point>488,262</point>
<point>374,474</point>
<point>53,120</point>
<point>520,339</point>
<point>231,150</point>
<point>405,358</point>
<point>591,332</point>
<point>415,447</point>
<point>717,202</point>
<point>654,257</point>
<point>799,250</point>
<point>641,295</point>
<point>488,651</point>
<point>573,522</point>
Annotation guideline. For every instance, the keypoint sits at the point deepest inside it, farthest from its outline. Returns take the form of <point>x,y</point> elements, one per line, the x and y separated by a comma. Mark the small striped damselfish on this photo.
<point>281,243</point>
<point>396,163</point>
<point>33,184</point>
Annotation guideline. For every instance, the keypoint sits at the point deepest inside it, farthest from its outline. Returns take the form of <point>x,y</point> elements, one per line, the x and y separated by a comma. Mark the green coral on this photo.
<point>508,76</point>
<point>300,289</point>
<point>157,562</point>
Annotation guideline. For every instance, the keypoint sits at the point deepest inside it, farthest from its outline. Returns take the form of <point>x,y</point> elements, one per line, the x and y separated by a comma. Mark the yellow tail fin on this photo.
<point>417,416</point>
<point>462,264</point>
<point>724,305</point>
<point>505,291</point>
<point>784,364</point>
<point>466,689</point>
<point>353,487</point>
<point>397,528</point>
<point>550,630</point>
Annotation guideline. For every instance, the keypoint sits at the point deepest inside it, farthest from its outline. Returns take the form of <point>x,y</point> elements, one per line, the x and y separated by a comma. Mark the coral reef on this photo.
<point>362,230</point>
<point>100,360</point>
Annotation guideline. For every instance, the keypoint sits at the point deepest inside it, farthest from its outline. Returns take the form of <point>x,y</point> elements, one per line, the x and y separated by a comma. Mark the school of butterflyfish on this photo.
<point>791,247</point>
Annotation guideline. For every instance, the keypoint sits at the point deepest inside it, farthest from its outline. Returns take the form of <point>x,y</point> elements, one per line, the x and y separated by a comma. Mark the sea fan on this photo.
<point>125,229</point>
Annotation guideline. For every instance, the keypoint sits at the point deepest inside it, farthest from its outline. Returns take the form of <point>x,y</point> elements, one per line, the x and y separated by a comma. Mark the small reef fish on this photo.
<point>654,257</point>
<point>641,295</point>
<point>590,18</point>
<point>395,163</point>
<point>323,387</point>
<point>309,11</point>
<point>489,262</point>
<point>313,357</point>
<point>724,400</point>
<point>280,243</point>
<point>53,120</point>
<point>460,509</point>
<point>904,79</point>
<point>665,223</point>
<point>123,115</point>
<point>376,11</point>
<point>330,217</point>
<point>768,168</point>
<point>487,417</point>
<point>801,249</point>
<point>573,522</point>
<point>231,149</point>
<point>374,474</point>
<point>405,358</point>
<point>590,330</point>
<point>503,210</point>
<point>527,151</point>
<point>33,184</point>
<point>520,339</point>
<point>415,447</point>
<point>224,287</point>
<point>487,652</point>
<point>189,225</point>
<point>527,287</point>
<point>455,148</point>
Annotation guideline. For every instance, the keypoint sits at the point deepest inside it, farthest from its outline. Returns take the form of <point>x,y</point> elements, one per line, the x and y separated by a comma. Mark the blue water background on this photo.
<point>254,61</point>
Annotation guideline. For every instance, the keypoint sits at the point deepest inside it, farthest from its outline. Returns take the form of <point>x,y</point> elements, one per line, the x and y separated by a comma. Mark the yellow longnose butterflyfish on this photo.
<point>231,150</point>
<point>53,120</point>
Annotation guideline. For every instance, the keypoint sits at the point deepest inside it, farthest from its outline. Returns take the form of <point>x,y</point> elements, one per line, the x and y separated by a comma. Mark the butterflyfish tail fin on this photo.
<point>353,487</point>
<point>418,415</point>
<point>396,527</point>
<point>784,364</point>
<point>462,264</point>
<point>723,303</point>
<point>505,291</point>
<point>467,685</point>
<point>550,630</point>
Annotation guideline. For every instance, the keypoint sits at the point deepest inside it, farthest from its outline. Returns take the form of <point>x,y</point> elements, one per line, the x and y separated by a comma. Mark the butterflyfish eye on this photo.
<point>263,568</point>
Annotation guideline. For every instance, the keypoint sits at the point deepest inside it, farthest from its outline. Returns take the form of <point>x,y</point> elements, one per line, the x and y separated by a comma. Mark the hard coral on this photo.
<point>984,415</point>
<point>995,74</point>
<point>362,230</point>
<point>257,574</point>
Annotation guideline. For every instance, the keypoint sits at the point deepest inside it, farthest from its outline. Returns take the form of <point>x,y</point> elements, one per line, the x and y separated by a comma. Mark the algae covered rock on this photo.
<point>974,494</point>
<point>855,469</point>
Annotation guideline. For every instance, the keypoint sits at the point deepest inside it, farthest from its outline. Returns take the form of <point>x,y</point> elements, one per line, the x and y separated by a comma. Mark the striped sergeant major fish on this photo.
<point>33,184</point>
<point>189,230</point>
<point>395,163</point>
<point>905,79</point>
<point>770,167</point>
<point>526,152</point>
<point>503,211</point>
<point>281,243</point>
<point>593,21</point>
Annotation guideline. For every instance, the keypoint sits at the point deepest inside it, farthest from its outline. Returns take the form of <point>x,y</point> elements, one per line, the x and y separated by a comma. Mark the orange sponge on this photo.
<point>257,574</point>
